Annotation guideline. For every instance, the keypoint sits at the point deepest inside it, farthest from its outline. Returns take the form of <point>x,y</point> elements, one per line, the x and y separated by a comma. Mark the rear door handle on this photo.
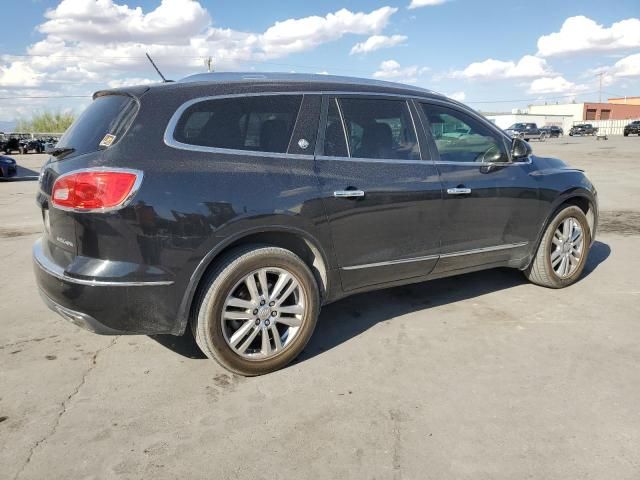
<point>348,194</point>
<point>459,191</point>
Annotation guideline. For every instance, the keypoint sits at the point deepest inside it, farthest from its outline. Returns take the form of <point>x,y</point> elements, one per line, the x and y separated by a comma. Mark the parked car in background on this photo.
<point>526,131</point>
<point>270,195</point>
<point>583,129</point>
<point>8,167</point>
<point>35,146</point>
<point>11,145</point>
<point>553,131</point>
<point>632,128</point>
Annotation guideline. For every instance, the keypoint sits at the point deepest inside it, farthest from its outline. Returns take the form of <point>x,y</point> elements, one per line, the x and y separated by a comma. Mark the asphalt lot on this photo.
<point>482,376</point>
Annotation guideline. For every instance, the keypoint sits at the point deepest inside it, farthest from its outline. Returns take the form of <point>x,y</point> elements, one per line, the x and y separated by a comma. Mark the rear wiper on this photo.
<point>61,152</point>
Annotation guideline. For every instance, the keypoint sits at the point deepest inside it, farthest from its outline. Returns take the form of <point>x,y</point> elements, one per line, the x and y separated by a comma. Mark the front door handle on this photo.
<point>459,191</point>
<point>348,194</point>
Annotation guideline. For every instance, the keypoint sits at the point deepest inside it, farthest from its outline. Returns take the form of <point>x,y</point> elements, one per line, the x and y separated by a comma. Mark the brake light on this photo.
<point>99,189</point>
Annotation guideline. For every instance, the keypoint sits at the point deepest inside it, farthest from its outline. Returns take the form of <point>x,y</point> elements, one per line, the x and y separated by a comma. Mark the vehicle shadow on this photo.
<point>348,318</point>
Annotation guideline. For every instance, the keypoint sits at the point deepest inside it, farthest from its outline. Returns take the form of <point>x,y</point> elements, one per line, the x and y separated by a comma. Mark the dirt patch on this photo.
<point>18,232</point>
<point>625,222</point>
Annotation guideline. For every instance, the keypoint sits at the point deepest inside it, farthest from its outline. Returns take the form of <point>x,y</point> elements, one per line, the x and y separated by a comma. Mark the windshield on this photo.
<point>517,126</point>
<point>109,114</point>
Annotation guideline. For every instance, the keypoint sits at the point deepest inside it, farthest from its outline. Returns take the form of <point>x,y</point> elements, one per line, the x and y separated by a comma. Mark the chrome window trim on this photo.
<point>58,272</point>
<point>170,141</point>
<point>528,161</point>
<point>374,160</point>
<point>472,251</point>
<point>134,190</point>
<point>344,127</point>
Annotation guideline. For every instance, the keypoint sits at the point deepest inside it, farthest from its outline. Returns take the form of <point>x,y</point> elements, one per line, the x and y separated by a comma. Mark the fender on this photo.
<point>187,299</point>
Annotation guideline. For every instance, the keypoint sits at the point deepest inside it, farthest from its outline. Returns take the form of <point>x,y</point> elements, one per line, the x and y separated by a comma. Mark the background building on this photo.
<point>625,100</point>
<point>591,111</point>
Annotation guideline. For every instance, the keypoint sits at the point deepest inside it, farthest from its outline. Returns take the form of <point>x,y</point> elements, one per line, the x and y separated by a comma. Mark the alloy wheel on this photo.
<point>568,246</point>
<point>263,313</point>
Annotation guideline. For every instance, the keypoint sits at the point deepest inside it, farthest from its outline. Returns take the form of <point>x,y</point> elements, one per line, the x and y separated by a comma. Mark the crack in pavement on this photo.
<point>64,407</point>
<point>29,340</point>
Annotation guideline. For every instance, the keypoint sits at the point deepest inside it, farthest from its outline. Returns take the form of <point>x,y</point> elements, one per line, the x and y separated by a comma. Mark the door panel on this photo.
<point>490,208</point>
<point>392,231</point>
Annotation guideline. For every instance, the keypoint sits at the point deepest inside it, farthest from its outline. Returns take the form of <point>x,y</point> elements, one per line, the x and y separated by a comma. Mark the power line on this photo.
<point>44,96</point>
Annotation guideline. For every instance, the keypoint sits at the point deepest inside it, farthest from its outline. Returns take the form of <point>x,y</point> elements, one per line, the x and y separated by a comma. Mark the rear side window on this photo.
<point>260,123</point>
<point>100,125</point>
<point>379,129</point>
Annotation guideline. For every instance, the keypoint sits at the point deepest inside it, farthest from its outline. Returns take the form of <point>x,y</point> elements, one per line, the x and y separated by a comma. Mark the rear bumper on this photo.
<point>105,306</point>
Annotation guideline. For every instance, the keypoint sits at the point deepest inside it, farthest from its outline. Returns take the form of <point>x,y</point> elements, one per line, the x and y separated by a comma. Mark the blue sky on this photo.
<point>494,55</point>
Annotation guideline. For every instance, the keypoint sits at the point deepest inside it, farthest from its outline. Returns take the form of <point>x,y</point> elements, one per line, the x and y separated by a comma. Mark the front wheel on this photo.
<point>257,310</point>
<point>563,250</point>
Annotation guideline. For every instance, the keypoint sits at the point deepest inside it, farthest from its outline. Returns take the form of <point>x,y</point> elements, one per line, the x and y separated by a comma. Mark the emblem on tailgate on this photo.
<point>64,241</point>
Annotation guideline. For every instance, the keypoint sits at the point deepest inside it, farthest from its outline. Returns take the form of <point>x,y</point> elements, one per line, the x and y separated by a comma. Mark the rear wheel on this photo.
<point>563,250</point>
<point>257,310</point>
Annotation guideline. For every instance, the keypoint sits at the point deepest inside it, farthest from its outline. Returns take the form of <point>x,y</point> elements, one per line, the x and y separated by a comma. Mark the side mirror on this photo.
<point>520,149</point>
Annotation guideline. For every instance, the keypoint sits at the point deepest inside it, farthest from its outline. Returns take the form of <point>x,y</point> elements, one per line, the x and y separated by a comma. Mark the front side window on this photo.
<point>461,138</point>
<point>258,123</point>
<point>378,129</point>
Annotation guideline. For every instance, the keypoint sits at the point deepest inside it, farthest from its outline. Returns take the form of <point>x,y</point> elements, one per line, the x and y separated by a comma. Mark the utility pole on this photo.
<point>208,62</point>
<point>600,75</point>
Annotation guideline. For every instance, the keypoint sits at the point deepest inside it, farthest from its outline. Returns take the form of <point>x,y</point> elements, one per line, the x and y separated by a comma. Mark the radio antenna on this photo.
<point>164,80</point>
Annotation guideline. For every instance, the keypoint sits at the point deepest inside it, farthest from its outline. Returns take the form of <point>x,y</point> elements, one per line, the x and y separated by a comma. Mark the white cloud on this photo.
<point>490,69</point>
<point>376,42</point>
<point>127,82</point>
<point>581,34</point>
<point>93,43</point>
<point>392,70</point>
<point>425,3</point>
<point>19,74</point>
<point>300,34</point>
<point>556,84</point>
<point>627,67</point>
<point>459,96</point>
<point>172,21</point>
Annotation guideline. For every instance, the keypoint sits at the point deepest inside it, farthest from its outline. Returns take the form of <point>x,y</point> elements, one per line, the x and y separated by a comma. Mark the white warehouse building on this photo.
<point>505,120</point>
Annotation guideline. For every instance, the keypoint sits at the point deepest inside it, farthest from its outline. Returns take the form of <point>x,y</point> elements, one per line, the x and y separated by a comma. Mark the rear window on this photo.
<point>107,115</point>
<point>260,123</point>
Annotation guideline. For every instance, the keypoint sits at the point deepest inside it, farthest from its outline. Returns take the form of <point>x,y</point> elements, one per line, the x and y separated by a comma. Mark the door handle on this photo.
<point>348,194</point>
<point>459,191</point>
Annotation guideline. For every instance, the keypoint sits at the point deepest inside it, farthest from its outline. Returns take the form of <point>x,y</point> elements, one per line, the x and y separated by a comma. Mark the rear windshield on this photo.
<point>107,115</point>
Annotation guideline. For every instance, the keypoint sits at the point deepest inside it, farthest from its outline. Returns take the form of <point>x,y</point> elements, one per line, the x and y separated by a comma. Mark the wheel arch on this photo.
<point>297,241</point>
<point>581,198</point>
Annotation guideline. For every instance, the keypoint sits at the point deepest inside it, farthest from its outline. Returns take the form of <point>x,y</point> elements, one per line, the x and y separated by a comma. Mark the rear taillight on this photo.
<point>95,189</point>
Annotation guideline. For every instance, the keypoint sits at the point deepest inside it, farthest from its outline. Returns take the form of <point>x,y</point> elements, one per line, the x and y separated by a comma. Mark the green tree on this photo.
<point>46,122</point>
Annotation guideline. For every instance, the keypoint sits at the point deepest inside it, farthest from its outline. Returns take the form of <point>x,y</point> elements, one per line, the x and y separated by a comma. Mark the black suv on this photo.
<point>632,128</point>
<point>583,129</point>
<point>236,205</point>
<point>553,131</point>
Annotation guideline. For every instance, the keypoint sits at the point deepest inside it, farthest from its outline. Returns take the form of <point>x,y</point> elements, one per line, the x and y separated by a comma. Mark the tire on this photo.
<point>541,271</point>
<point>214,334</point>
<point>626,134</point>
